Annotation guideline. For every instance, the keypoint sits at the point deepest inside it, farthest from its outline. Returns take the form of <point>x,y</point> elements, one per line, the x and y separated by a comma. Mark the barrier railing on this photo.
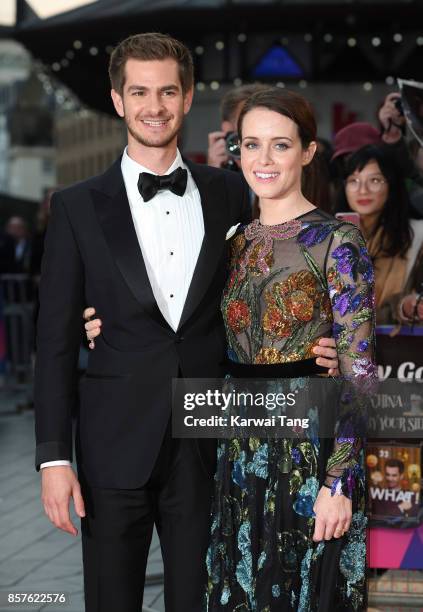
<point>18,307</point>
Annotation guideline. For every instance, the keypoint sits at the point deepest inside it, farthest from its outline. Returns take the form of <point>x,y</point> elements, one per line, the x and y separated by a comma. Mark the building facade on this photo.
<point>86,144</point>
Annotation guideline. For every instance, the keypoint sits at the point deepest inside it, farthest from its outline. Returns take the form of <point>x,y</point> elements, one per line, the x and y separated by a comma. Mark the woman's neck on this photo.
<point>274,212</point>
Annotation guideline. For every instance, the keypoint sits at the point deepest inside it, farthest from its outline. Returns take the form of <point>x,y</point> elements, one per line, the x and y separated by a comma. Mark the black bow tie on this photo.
<point>150,184</point>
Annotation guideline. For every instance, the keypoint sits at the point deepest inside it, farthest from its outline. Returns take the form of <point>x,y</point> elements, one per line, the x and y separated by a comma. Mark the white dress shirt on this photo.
<point>170,231</point>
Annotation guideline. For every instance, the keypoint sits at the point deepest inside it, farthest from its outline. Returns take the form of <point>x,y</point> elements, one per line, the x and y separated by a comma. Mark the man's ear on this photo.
<point>118,103</point>
<point>188,100</point>
<point>308,153</point>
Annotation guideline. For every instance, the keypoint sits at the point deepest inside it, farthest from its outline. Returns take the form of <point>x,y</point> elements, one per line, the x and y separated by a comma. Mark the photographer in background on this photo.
<point>218,154</point>
<point>391,118</point>
<point>393,128</point>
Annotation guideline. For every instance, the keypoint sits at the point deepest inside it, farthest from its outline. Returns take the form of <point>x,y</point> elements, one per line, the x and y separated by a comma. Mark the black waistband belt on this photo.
<point>293,369</point>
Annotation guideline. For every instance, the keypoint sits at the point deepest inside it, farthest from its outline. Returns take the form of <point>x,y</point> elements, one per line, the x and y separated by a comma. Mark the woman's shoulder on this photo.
<point>320,226</point>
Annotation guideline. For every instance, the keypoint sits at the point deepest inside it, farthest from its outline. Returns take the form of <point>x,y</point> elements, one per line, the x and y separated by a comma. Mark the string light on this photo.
<point>397,37</point>
<point>77,44</point>
<point>200,86</point>
<point>389,80</point>
<point>285,40</point>
<point>367,86</point>
<point>376,41</point>
<point>64,63</point>
<point>199,50</point>
<point>280,84</point>
<point>328,38</point>
<point>419,41</point>
<point>109,49</point>
<point>93,51</point>
<point>302,84</point>
<point>308,37</point>
<point>237,82</point>
<point>70,54</point>
<point>214,85</point>
<point>242,37</point>
<point>351,42</point>
<point>220,45</point>
<point>56,66</point>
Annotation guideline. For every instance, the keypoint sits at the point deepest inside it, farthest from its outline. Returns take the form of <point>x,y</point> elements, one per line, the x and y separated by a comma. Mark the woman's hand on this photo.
<point>92,327</point>
<point>327,355</point>
<point>333,515</point>
<point>408,307</point>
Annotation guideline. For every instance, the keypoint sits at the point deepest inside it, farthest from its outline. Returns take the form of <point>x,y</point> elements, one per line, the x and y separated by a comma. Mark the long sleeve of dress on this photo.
<point>350,280</point>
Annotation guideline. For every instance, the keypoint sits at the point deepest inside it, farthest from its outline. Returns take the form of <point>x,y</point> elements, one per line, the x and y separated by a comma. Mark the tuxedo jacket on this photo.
<point>92,257</point>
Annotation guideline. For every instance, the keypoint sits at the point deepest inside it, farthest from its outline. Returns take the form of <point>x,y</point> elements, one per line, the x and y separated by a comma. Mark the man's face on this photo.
<point>392,477</point>
<point>152,102</point>
<point>16,227</point>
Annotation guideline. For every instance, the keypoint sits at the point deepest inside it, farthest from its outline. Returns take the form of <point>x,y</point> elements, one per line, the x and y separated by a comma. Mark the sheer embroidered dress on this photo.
<point>288,286</point>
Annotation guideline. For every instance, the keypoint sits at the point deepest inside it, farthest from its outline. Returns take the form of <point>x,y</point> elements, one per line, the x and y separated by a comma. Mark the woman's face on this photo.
<point>367,190</point>
<point>272,156</point>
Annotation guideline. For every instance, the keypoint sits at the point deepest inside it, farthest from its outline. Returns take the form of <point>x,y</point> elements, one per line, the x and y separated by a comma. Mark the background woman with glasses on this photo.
<point>375,188</point>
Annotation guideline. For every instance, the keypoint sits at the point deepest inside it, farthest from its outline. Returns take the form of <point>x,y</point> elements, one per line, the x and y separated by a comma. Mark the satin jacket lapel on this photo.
<point>213,202</point>
<point>114,214</point>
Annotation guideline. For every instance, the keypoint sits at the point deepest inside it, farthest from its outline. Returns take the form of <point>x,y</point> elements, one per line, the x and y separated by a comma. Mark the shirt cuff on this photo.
<point>52,463</point>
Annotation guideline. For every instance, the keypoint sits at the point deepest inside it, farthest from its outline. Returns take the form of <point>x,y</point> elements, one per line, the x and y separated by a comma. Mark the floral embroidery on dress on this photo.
<point>289,285</point>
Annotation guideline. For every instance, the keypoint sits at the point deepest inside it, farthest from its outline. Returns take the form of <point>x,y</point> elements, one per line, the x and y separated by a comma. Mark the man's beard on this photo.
<point>154,143</point>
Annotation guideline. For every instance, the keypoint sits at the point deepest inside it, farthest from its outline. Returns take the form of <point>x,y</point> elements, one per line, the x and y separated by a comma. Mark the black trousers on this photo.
<point>117,531</point>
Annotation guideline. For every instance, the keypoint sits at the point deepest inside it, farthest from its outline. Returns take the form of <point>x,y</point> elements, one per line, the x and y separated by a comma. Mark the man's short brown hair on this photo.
<point>395,463</point>
<point>146,47</point>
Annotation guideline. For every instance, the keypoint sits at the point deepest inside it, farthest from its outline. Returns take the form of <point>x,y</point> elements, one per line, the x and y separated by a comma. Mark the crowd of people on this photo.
<point>21,246</point>
<point>21,251</point>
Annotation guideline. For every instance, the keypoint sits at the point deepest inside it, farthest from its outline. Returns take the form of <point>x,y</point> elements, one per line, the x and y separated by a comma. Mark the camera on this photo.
<point>232,145</point>
<point>398,105</point>
<point>233,150</point>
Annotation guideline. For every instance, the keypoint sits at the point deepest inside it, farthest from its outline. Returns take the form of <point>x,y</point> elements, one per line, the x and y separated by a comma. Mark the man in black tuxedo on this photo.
<point>145,244</point>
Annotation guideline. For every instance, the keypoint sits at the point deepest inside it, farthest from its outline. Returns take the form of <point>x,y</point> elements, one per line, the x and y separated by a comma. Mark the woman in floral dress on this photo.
<point>288,517</point>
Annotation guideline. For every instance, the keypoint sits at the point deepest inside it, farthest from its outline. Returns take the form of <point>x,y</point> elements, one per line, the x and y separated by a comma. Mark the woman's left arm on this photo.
<point>350,280</point>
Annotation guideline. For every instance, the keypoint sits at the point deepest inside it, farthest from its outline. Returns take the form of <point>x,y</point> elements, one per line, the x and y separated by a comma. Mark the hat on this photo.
<point>353,137</point>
